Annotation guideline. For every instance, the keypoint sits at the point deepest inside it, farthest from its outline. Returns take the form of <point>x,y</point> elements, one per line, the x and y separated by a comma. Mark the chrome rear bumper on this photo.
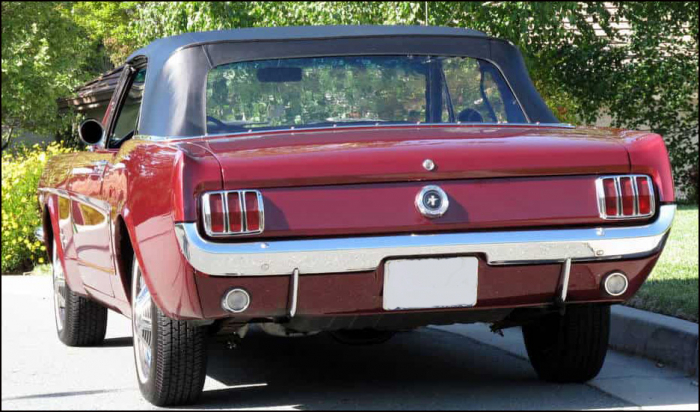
<point>357,254</point>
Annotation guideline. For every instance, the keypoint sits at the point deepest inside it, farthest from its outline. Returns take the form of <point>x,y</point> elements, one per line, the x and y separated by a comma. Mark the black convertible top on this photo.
<point>164,47</point>
<point>177,67</point>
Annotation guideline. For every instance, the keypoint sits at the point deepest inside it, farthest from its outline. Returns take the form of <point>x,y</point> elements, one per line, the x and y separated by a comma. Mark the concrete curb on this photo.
<point>665,339</point>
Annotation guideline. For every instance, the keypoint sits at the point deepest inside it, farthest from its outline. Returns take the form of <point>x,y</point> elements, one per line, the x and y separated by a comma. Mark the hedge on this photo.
<point>21,170</point>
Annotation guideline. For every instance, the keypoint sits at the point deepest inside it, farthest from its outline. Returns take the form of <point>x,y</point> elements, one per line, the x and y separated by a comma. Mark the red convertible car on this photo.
<point>358,180</point>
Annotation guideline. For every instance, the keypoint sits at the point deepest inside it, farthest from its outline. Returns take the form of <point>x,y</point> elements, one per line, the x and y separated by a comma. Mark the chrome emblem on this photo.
<point>428,165</point>
<point>432,201</point>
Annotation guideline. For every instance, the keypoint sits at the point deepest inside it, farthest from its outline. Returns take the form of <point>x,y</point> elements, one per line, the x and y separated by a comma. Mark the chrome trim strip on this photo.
<point>251,133</point>
<point>357,254</point>
<point>241,207</point>
<point>206,213</point>
<point>652,196</point>
<point>60,192</point>
<point>100,205</point>
<point>293,293</point>
<point>337,126</point>
<point>224,204</point>
<point>618,193</point>
<point>635,194</point>
<point>600,192</point>
<point>565,271</point>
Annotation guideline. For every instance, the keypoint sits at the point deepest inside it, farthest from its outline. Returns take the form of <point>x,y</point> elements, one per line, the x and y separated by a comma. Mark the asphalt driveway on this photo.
<point>452,367</point>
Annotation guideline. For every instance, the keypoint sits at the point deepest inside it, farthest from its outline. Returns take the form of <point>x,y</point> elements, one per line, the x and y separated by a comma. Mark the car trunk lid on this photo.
<point>391,154</point>
<point>365,180</point>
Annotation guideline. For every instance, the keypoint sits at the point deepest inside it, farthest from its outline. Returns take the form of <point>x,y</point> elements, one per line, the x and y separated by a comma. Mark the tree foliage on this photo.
<point>44,57</point>
<point>109,23</point>
<point>582,64</point>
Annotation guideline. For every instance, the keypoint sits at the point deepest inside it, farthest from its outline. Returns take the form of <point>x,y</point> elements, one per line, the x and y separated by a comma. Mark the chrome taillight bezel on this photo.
<point>206,213</point>
<point>600,193</point>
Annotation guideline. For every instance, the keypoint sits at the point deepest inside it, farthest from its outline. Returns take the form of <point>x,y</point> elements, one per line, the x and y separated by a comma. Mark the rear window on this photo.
<point>356,90</point>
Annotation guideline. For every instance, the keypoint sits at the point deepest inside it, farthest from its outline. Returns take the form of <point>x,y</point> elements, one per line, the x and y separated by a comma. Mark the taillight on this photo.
<point>628,196</point>
<point>625,196</point>
<point>611,198</point>
<point>234,212</point>
<point>216,212</point>
<point>252,216</point>
<point>645,194</point>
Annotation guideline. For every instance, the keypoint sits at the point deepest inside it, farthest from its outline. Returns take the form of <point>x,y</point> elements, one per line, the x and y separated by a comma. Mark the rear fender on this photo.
<point>648,155</point>
<point>150,205</point>
<point>51,226</point>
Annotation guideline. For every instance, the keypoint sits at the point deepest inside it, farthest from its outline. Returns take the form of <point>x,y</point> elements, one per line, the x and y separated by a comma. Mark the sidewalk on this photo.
<point>662,338</point>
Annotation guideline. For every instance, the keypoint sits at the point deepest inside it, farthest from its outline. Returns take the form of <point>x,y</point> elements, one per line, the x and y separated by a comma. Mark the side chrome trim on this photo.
<point>252,133</point>
<point>51,190</point>
<point>356,254</point>
<point>101,206</point>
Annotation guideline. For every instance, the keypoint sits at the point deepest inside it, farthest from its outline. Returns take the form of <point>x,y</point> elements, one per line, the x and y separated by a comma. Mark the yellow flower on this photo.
<point>41,260</point>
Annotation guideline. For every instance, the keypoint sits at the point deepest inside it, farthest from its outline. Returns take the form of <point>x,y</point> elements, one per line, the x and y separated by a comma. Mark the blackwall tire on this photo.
<point>572,347</point>
<point>173,368</point>
<point>79,321</point>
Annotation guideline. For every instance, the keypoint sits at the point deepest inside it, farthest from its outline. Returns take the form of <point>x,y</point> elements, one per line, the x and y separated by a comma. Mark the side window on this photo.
<point>127,118</point>
<point>479,93</point>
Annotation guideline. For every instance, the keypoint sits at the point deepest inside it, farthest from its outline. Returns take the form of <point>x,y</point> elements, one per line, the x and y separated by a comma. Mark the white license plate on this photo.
<point>430,283</point>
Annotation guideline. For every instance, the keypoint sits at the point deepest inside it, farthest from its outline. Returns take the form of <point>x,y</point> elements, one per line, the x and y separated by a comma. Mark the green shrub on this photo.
<point>21,169</point>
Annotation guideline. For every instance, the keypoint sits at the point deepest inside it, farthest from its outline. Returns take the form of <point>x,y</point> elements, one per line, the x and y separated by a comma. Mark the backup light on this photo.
<point>615,284</point>
<point>235,300</point>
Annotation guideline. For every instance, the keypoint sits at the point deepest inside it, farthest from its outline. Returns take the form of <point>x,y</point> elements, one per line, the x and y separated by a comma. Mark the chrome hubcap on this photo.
<point>142,325</point>
<point>59,290</point>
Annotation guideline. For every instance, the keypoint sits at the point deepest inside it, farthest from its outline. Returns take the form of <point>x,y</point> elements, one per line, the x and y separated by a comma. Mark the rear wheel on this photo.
<point>170,355</point>
<point>79,321</point>
<point>572,347</point>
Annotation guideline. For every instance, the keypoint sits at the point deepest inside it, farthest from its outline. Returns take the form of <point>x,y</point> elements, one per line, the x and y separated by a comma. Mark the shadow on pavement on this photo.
<point>61,394</point>
<point>117,342</point>
<point>423,369</point>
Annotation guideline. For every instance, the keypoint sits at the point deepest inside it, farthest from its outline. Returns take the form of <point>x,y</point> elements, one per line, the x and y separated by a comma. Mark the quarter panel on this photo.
<point>145,186</point>
<point>648,155</point>
<point>59,215</point>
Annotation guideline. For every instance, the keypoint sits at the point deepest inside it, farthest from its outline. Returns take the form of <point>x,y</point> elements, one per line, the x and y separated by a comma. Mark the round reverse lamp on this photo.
<point>235,300</point>
<point>616,284</point>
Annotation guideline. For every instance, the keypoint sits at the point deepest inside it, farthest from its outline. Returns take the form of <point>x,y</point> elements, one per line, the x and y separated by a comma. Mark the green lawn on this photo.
<point>672,288</point>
